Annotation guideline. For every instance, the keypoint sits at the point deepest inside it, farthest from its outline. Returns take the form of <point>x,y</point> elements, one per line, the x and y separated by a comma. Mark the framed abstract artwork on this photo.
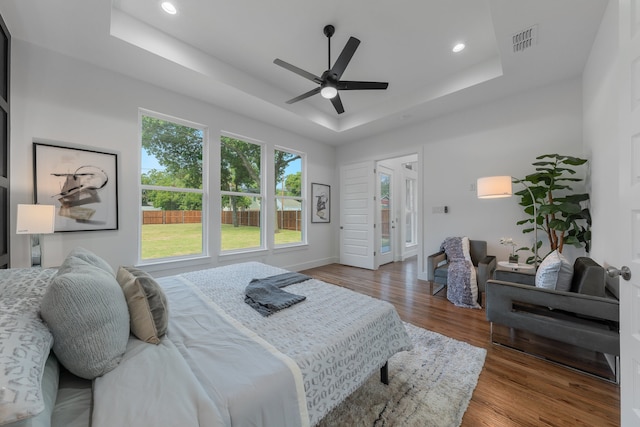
<point>320,203</point>
<point>81,183</point>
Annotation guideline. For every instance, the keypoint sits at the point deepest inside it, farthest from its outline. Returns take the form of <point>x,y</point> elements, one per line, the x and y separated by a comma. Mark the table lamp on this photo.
<point>36,220</point>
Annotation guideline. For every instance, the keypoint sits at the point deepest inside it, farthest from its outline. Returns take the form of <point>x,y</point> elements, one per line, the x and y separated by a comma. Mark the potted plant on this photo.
<point>562,215</point>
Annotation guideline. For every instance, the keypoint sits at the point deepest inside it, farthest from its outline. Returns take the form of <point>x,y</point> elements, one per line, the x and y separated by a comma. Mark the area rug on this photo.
<point>429,386</point>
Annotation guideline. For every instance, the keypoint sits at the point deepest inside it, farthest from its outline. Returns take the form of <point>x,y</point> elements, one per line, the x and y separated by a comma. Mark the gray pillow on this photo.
<point>88,316</point>
<point>147,304</point>
<point>82,256</point>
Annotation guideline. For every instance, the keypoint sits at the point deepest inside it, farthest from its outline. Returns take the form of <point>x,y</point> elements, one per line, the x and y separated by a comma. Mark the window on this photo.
<point>241,192</point>
<point>411,212</point>
<point>172,188</point>
<point>289,186</point>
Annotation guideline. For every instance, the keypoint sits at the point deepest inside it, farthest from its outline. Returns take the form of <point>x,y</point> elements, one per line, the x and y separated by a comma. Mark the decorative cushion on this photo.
<point>147,304</point>
<point>25,343</point>
<point>50,380</point>
<point>554,272</point>
<point>565,275</point>
<point>82,256</point>
<point>87,313</point>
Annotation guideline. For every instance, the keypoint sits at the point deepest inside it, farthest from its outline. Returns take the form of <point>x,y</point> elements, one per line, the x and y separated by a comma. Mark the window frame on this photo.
<point>413,212</point>
<point>302,198</point>
<point>262,194</point>
<point>204,191</point>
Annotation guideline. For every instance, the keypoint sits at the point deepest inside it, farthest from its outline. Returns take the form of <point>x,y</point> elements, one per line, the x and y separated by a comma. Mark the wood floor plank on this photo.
<point>514,389</point>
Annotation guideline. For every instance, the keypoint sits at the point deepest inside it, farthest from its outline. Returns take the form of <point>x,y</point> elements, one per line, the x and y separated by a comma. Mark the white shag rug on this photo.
<point>429,386</point>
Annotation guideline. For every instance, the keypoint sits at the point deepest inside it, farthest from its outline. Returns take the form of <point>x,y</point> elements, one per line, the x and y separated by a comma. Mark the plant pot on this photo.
<point>513,259</point>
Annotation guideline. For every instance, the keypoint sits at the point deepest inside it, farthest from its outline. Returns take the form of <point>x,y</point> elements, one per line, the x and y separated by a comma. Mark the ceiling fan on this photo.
<point>330,83</point>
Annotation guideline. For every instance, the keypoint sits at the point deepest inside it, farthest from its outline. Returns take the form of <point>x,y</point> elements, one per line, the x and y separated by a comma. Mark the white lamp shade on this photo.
<point>492,187</point>
<point>36,219</point>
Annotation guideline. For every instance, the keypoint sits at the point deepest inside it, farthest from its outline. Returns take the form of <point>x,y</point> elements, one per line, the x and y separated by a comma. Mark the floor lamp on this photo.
<point>36,220</point>
<point>493,187</point>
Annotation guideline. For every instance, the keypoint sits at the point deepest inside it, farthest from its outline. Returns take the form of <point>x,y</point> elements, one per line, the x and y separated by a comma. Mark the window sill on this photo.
<point>290,247</point>
<point>154,266</point>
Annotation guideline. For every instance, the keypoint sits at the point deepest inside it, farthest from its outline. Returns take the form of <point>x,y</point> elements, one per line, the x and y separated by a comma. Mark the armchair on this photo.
<point>485,265</point>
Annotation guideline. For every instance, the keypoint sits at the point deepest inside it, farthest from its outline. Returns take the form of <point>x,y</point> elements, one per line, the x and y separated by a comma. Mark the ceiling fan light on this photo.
<point>328,92</point>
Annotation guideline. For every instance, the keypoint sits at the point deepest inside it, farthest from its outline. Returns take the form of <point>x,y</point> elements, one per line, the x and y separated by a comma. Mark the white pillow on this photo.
<point>565,275</point>
<point>466,251</point>
<point>473,280</point>
<point>555,272</point>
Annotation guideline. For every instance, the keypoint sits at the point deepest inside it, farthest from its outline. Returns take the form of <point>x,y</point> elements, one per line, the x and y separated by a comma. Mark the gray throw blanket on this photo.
<point>459,283</point>
<point>266,297</point>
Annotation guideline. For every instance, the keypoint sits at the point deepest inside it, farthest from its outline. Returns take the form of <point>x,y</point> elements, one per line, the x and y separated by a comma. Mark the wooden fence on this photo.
<point>287,220</point>
<point>171,217</point>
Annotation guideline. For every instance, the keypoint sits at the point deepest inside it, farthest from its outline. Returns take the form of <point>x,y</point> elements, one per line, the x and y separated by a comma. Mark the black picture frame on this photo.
<point>320,203</point>
<point>81,183</point>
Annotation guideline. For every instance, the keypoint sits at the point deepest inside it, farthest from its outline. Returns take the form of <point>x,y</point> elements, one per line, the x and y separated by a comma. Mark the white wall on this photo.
<point>499,138</point>
<point>61,99</point>
<point>600,94</point>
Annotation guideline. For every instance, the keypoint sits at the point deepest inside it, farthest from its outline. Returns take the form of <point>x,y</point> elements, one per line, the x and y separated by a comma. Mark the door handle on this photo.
<point>624,271</point>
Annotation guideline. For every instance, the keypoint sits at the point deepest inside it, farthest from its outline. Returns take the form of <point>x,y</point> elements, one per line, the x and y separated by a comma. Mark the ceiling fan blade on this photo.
<point>345,57</point>
<point>349,85</point>
<point>298,71</point>
<point>337,104</point>
<point>304,95</point>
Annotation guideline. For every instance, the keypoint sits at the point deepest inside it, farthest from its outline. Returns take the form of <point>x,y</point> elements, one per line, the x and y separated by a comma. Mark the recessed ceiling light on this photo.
<point>458,47</point>
<point>169,8</point>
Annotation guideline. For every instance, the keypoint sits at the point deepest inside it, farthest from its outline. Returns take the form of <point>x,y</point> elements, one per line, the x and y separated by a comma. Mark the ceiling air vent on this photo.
<point>525,39</point>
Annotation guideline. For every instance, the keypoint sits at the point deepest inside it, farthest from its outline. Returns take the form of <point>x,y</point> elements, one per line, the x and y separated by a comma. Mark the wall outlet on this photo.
<point>438,209</point>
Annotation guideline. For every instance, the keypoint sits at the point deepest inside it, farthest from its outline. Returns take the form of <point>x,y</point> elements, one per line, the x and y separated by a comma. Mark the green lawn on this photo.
<point>166,240</point>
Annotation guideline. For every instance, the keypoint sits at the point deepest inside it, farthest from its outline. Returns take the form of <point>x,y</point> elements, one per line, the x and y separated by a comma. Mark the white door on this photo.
<point>385,221</point>
<point>357,215</point>
<point>629,224</point>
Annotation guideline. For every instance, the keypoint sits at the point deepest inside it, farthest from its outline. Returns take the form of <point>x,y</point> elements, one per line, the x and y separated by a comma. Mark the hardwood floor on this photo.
<point>514,389</point>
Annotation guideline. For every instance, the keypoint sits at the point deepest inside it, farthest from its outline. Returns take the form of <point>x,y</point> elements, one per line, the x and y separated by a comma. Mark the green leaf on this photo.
<point>574,161</point>
<point>569,208</point>
<point>557,224</point>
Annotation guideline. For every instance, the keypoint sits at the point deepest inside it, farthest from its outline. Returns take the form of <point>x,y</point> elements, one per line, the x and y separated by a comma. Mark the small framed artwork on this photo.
<point>320,203</point>
<point>81,183</point>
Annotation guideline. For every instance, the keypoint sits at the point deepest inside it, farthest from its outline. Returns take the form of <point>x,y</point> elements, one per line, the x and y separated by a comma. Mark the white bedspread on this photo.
<point>152,386</point>
<point>338,338</point>
<point>223,364</point>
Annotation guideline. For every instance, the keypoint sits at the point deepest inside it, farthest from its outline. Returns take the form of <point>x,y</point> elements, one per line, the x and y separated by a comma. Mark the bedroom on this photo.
<point>59,98</point>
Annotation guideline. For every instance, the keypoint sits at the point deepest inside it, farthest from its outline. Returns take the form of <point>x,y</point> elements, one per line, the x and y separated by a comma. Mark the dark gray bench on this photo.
<point>587,316</point>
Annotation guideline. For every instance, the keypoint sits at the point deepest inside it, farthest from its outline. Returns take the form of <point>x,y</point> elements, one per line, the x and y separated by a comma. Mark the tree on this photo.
<point>168,200</point>
<point>560,214</point>
<point>293,184</point>
<point>282,160</point>
<point>177,148</point>
<point>239,172</point>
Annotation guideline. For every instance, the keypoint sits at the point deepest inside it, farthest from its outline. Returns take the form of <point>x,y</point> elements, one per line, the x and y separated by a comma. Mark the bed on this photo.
<point>218,362</point>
